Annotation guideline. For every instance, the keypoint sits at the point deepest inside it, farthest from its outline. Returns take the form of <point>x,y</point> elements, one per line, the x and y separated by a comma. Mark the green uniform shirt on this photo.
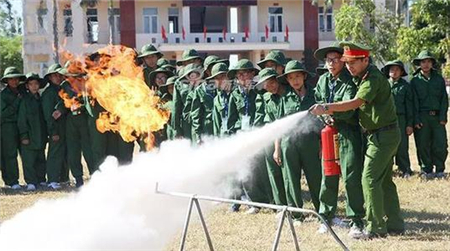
<point>329,90</point>
<point>182,101</point>
<point>167,104</point>
<point>31,122</point>
<point>10,102</point>
<point>403,98</point>
<point>147,71</point>
<point>430,95</point>
<point>272,106</point>
<point>242,104</point>
<point>220,113</point>
<point>50,103</point>
<point>292,103</point>
<point>201,111</point>
<point>378,110</point>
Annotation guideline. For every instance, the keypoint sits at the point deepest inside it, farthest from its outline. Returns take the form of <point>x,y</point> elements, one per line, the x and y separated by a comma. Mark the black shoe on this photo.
<point>395,232</point>
<point>235,208</point>
<point>79,182</point>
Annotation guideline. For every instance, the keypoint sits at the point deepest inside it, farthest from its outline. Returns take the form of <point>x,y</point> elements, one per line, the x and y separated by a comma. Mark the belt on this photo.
<point>431,112</point>
<point>384,128</point>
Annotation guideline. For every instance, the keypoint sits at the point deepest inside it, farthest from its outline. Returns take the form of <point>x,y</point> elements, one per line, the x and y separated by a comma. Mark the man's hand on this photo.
<point>25,141</point>
<point>56,114</point>
<point>409,130</point>
<point>418,126</point>
<point>55,138</point>
<point>277,157</point>
<point>317,110</point>
<point>443,123</point>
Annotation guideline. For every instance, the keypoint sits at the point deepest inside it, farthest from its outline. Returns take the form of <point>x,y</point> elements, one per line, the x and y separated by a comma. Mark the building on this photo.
<point>243,28</point>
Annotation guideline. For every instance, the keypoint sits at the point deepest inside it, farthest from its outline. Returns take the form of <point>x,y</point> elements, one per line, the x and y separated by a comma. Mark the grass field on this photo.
<point>424,205</point>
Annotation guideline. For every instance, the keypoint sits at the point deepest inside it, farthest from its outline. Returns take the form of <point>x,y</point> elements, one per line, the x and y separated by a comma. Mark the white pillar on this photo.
<point>253,19</point>
<point>186,21</point>
<point>78,21</point>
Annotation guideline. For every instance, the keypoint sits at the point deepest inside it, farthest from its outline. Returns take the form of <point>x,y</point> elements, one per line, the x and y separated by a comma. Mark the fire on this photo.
<point>117,84</point>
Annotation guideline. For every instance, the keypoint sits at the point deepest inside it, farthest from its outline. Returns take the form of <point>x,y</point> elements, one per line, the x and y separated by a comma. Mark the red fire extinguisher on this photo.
<point>330,151</point>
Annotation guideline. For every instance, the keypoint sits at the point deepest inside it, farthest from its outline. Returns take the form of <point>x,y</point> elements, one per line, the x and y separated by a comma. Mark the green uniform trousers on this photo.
<point>402,156</point>
<point>257,188</point>
<point>57,167</point>
<point>351,160</point>
<point>33,162</point>
<point>78,141</point>
<point>99,144</point>
<point>380,192</point>
<point>275,177</point>
<point>431,143</point>
<point>301,152</point>
<point>9,148</point>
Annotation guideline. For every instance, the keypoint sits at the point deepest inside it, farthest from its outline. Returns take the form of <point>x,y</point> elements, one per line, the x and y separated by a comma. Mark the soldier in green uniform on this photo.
<point>57,167</point>
<point>221,100</point>
<point>299,151</point>
<point>77,128</point>
<point>403,97</point>
<point>33,133</point>
<point>166,91</point>
<point>430,116</point>
<point>150,56</point>
<point>10,97</point>
<point>272,101</point>
<point>378,118</point>
<point>210,61</point>
<point>246,110</point>
<point>334,86</point>
<point>164,63</point>
<point>274,59</point>
<point>190,78</point>
<point>190,56</point>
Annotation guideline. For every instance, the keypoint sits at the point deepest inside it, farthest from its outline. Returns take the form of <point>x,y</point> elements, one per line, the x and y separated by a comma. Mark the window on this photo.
<point>92,25</point>
<point>116,20</point>
<point>276,19</point>
<point>68,27</point>
<point>150,20</point>
<point>173,20</point>
<point>326,19</point>
<point>42,18</point>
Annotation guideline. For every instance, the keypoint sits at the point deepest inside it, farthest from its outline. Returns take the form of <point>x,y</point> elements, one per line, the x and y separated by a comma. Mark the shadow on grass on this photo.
<point>40,190</point>
<point>428,226</point>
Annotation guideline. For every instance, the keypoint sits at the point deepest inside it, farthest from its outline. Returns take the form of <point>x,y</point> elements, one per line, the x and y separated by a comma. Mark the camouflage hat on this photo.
<point>153,74</point>
<point>54,68</point>
<point>218,69</point>
<point>12,72</point>
<point>211,60</point>
<point>170,81</point>
<point>425,54</point>
<point>164,63</point>
<point>398,63</point>
<point>275,56</point>
<point>243,64</point>
<point>34,76</point>
<point>264,75</point>
<point>354,50</point>
<point>321,53</point>
<point>149,49</point>
<point>191,68</point>
<point>188,55</point>
<point>291,67</point>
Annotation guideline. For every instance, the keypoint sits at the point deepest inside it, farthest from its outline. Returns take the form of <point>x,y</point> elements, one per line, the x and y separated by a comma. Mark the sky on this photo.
<point>17,6</point>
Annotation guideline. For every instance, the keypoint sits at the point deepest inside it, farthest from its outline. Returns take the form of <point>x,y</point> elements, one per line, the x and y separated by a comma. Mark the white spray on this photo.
<point>118,209</point>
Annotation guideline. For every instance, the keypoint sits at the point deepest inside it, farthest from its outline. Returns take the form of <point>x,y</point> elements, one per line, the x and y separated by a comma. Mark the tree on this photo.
<point>362,22</point>
<point>10,37</point>
<point>10,22</point>
<point>429,29</point>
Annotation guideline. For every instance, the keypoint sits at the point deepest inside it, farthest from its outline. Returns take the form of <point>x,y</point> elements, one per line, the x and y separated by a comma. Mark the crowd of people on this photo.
<point>374,111</point>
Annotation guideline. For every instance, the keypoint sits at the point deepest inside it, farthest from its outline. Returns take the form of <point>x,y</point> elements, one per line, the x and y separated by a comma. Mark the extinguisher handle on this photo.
<point>327,119</point>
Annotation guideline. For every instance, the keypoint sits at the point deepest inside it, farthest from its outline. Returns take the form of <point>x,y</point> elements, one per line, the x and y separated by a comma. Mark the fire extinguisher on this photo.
<point>330,151</point>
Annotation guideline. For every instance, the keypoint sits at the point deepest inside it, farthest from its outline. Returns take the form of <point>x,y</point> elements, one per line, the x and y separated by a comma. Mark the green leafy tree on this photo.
<point>10,37</point>
<point>429,29</point>
<point>362,22</point>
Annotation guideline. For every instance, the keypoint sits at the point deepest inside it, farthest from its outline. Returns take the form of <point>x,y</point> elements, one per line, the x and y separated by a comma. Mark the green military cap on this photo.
<point>191,68</point>
<point>321,53</point>
<point>152,75</point>
<point>354,50</point>
<point>425,54</point>
<point>73,68</point>
<point>34,76</point>
<point>264,75</point>
<point>291,67</point>
<point>12,72</point>
<point>218,69</point>
<point>275,56</point>
<point>149,49</point>
<point>398,63</point>
<point>188,55</point>
<point>170,81</point>
<point>164,63</point>
<point>320,70</point>
<point>211,60</point>
<point>54,68</point>
<point>243,64</point>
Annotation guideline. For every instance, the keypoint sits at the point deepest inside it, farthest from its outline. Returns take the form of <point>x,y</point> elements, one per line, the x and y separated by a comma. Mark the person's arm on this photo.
<point>444,103</point>
<point>48,107</point>
<point>9,105</point>
<point>277,153</point>
<point>233,116</point>
<point>176,114</point>
<point>343,106</point>
<point>196,117</point>
<point>22,123</point>
<point>409,105</point>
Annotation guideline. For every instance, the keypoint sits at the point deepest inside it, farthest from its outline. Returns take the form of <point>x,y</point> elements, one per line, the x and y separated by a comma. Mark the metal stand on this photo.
<point>286,213</point>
